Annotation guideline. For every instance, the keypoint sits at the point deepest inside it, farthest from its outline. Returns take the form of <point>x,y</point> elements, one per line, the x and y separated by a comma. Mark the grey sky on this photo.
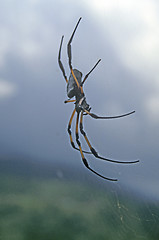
<point>125,35</point>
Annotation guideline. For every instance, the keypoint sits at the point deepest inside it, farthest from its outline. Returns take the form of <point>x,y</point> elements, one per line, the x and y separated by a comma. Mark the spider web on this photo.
<point>126,213</point>
<point>138,217</point>
<point>58,201</point>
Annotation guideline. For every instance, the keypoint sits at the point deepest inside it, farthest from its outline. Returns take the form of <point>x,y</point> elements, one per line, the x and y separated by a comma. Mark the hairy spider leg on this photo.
<point>70,55</point>
<point>82,155</point>
<point>59,60</point>
<point>90,72</point>
<point>94,152</point>
<point>70,133</point>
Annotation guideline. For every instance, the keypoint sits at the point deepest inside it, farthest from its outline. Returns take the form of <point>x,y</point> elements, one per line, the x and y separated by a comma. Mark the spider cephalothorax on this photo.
<point>75,89</point>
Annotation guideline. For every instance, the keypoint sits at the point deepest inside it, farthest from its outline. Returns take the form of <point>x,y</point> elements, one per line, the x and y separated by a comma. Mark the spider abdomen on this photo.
<point>72,88</point>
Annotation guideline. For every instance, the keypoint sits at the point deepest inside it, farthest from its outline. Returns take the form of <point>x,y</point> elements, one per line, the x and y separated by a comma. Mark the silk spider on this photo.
<point>75,89</point>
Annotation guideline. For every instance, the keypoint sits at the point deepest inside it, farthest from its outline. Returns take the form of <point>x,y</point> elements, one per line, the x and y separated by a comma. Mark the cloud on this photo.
<point>7,89</point>
<point>152,106</point>
<point>24,31</point>
<point>133,27</point>
<point>123,33</point>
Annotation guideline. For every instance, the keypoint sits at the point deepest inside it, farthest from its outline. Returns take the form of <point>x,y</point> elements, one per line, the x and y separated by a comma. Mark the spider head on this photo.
<point>72,88</point>
<point>82,104</point>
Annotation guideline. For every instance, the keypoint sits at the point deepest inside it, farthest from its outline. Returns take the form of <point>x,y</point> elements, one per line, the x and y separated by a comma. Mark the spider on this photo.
<point>75,89</point>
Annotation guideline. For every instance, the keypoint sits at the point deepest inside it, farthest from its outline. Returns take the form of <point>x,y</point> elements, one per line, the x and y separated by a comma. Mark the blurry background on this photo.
<point>34,144</point>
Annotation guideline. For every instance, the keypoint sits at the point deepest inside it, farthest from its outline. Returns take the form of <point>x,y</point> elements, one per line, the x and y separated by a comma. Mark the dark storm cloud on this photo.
<point>34,120</point>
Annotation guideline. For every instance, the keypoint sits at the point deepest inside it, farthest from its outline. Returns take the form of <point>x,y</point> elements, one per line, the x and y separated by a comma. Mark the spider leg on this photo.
<point>69,100</point>
<point>94,151</point>
<point>70,133</point>
<point>109,117</point>
<point>82,155</point>
<point>69,44</point>
<point>90,72</point>
<point>70,55</point>
<point>59,60</point>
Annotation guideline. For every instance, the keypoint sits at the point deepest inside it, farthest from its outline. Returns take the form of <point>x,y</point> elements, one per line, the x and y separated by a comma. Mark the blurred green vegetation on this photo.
<point>55,209</point>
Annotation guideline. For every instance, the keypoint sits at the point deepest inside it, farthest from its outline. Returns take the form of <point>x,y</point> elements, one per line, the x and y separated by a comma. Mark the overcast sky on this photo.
<point>125,35</point>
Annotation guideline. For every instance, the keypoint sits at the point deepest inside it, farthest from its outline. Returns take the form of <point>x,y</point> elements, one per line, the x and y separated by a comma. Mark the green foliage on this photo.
<point>38,209</point>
